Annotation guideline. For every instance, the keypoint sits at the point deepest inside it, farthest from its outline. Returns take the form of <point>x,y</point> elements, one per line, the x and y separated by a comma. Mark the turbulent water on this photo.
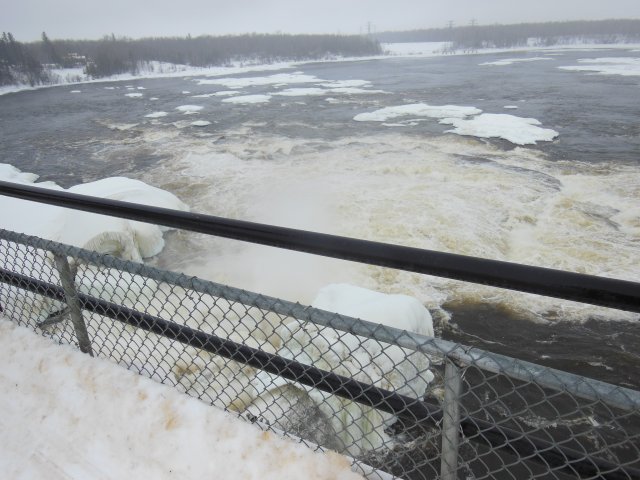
<point>297,158</point>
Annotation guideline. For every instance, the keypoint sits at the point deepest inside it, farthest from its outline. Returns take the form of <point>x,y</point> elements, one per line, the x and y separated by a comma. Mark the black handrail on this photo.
<point>590,289</point>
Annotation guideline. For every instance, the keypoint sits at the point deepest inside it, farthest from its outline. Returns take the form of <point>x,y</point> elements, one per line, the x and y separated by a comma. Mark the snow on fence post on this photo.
<point>71,297</point>
<point>450,421</point>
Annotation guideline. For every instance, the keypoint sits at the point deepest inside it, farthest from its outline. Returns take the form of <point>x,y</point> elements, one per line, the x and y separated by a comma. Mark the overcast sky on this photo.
<point>27,19</point>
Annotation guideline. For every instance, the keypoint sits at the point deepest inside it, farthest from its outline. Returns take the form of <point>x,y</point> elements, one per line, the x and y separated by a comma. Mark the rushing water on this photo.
<point>302,161</point>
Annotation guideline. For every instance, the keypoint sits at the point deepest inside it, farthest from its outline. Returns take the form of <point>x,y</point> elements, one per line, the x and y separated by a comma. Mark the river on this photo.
<point>298,158</point>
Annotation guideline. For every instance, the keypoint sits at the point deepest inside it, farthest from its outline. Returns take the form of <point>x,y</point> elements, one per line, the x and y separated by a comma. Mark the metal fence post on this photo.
<point>71,296</point>
<point>451,421</point>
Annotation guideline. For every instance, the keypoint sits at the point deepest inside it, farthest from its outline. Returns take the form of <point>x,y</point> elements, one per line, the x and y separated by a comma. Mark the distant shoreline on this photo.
<point>71,77</point>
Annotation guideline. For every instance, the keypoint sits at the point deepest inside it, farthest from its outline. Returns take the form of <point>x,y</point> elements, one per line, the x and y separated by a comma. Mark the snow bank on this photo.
<point>517,130</point>
<point>248,99</point>
<point>69,416</point>
<point>626,66</point>
<point>416,110</point>
<point>511,61</point>
<point>355,428</point>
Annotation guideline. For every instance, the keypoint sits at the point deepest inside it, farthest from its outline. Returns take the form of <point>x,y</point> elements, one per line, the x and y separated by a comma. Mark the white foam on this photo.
<point>449,193</point>
<point>517,130</point>
<point>248,99</point>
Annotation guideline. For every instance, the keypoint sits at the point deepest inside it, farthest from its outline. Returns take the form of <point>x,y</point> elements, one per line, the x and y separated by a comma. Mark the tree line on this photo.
<point>504,36</point>
<point>29,62</point>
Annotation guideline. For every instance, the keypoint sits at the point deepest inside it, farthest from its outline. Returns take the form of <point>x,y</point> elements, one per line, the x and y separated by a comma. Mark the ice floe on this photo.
<point>626,66</point>
<point>156,115</point>
<point>222,93</point>
<point>133,95</point>
<point>244,82</point>
<point>417,110</point>
<point>200,123</point>
<point>466,121</point>
<point>517,130</point>
<point>511,61</point>
<point>187,109</point>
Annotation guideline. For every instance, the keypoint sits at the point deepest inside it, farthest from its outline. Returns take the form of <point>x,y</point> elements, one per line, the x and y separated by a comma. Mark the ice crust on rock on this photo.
<point>385,366</point>
<point>125,238</point>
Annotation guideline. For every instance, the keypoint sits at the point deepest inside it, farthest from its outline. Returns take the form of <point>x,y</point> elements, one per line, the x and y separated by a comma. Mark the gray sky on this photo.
<point>26,19</point>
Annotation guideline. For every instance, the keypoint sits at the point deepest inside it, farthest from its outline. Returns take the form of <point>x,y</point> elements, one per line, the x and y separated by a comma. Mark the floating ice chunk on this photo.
<point>186,92</point>
<point>283,78</point>
<point>511,61</point>
<point>517,130</point>
<point>417,110</point>
<point>187,109</point>
<point>248,99</point>
<point>510,107</point>
<point>626,66</point>
<point>109,88</point>
<point>141,88</point>
<point>200,123</point>
<point>153,98</point>
<point>133,95</point>
<point>76,91</point>
<point>223,93</point>
<point>156,115</point>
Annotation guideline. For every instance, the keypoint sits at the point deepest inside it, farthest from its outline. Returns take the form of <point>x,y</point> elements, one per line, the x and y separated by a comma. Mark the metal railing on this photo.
<point>413,406</point>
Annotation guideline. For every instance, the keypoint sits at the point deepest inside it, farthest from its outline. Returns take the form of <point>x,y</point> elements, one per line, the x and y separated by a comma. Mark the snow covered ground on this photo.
<point>69,416</point>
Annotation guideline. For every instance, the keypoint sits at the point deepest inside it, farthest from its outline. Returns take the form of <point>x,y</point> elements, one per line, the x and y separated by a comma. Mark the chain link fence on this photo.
<point>406,405</point>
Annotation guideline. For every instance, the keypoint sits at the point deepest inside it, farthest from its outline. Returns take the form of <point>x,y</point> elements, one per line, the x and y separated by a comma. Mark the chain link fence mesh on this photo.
<point>409,406</point>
